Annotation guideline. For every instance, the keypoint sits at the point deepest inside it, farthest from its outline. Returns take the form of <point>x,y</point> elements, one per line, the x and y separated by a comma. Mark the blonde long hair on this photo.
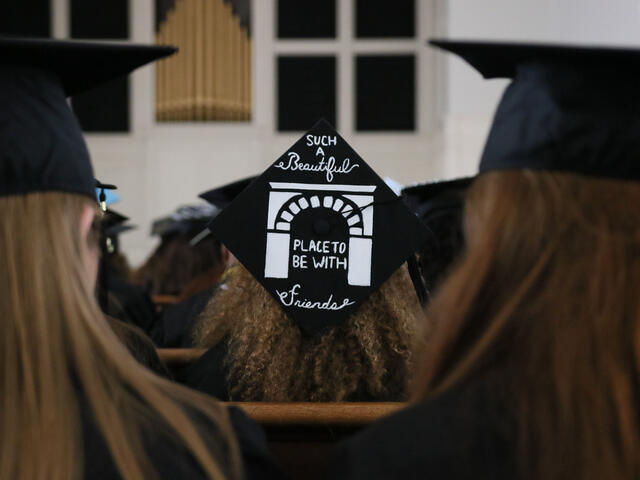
<point>56,349</point>
<point>547,297</point>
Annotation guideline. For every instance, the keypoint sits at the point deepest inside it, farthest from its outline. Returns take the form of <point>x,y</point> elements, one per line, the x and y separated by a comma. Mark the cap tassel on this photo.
<point>103,200</point>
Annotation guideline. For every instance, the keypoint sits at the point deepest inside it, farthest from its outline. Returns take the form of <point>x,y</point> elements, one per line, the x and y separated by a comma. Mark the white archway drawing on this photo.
<point>286,200</point>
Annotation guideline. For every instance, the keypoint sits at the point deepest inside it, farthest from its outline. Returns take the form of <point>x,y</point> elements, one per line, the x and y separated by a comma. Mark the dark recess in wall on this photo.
<point>306,91</point>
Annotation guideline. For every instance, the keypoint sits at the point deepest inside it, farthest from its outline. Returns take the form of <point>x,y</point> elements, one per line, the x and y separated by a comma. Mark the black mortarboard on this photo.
<point>319,229</point>
<point>185,220</point>
<point>439,205</point>
<point>222,196</point>
<point>431,199</point>
<point>41,144</point>
<point>111,218</point>
<point>112,225</point>
<point>568,108</point>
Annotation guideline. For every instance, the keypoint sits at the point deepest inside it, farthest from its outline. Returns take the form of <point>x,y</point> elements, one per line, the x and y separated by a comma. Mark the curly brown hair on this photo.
<point>367,358</point>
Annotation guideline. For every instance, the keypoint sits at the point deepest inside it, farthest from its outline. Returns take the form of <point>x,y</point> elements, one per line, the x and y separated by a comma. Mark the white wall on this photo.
<point>158,167</point>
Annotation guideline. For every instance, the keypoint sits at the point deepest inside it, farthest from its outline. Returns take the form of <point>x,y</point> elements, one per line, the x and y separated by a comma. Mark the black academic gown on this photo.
<point>464,434</point>
<point>173,330</point>
<point>171,460</point>
<point>209,373</point>
<point>133,304</point>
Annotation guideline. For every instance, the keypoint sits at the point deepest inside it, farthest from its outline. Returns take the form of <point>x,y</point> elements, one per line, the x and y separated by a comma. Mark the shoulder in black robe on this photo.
<point>171,460</point>
<point>464,434</point>
<point>209,373</point>
<point>173,329</point>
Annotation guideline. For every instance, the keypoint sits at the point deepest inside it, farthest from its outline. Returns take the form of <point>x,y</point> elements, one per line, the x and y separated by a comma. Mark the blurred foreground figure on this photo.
<point>73,402</point>
<point>117,297</point>
<point>532,368</point>
<point>321,307</point>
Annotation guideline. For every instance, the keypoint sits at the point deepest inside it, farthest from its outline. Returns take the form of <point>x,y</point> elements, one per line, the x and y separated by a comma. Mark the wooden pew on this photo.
<point>300,434</point>
<point>164,300</point>
<point>179,357</point>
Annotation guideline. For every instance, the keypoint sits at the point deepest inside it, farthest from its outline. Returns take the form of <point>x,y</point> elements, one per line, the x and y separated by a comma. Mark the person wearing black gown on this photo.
<point>73,402</point>
<point>532,369</point>
<point>321,306</point>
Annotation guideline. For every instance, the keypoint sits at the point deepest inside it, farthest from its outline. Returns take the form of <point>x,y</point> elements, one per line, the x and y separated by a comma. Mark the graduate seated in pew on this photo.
<point>117,296</point>
<point>139,345</point>
<point>532,368</point>
<point>173,330</point>
<point>178,267</point>
<point>321,307</point>
<point>73,402</point>
<point>439,206</point>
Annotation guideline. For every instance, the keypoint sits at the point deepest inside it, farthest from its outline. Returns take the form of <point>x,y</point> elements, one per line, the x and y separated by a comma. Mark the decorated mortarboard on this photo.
<point>569,108</point>
<point>41,143</point>
<point>188,219</point>
<point>320,230</point>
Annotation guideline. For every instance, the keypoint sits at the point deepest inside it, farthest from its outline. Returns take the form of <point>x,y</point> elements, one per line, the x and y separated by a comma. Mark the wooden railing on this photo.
<point>315,414</point>
<point>164,300</point>
<point>301,435</point>
<point>180,356</point>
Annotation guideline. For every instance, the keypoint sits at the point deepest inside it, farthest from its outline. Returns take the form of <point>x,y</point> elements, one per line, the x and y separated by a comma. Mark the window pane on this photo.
<point>99,19</point>
<point>306,91</point>
<point>306,19</point>
<point>385,92</point>
<point>26,17</point>
<point>382,18</point>
<point>104,108</point>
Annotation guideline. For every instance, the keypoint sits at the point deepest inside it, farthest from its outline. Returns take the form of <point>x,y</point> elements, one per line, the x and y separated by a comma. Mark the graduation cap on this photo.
<point>222,196</point>
<point>439,205</point>
<point>568,108</point>
<point>113,224</point>
<point>429,200</point>
<point>41,143</point>
<point>185,220</point>
<point>319,229</point>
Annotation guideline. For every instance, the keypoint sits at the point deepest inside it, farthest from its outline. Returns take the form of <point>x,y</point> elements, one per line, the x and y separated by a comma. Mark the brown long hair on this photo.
<point>56,348</point>
<point>269,359</point>
<point>547,294</point>
<point>175,263</point>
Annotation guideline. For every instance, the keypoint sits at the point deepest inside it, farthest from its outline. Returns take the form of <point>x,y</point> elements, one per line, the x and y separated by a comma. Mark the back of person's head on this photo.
<point>271,359</point>
<point>63,371</point>
<point>139,345</point>
<point>546,294</point>
<point>57,348</point>
<point>176,262</point>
